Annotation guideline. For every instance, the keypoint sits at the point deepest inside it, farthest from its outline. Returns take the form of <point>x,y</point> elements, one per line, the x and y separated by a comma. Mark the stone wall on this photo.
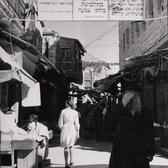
<point>150,36</point>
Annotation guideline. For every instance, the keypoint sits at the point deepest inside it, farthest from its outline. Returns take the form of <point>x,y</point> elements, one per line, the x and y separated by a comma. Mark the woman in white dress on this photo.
<point>69,124</point>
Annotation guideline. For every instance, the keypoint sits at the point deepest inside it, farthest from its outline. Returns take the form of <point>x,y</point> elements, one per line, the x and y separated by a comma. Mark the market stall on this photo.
<point>15,85</point>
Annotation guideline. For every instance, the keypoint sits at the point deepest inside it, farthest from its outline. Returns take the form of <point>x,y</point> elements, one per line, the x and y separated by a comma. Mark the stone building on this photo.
<point>23,43</point>
<point>143,37</point>
<point>65,54</point>
<point>143,52</point>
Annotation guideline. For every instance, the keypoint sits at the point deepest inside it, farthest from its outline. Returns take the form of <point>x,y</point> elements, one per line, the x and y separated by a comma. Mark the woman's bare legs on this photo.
<point>71,155</point>
<point>66,151</point>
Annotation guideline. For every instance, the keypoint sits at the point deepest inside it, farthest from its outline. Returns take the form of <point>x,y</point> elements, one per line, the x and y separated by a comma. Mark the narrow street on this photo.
<point>91,154</point>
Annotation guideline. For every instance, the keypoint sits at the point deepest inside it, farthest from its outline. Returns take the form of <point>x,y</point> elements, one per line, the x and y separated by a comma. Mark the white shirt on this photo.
<point>69,115</point>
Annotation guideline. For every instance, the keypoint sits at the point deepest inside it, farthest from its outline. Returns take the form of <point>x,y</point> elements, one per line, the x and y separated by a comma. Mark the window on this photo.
<point>137,28</point>
<point>132,33</point>
<point>143,25</point>
<point>127,37</point>
<point>78,60</point>
<point>66,59</point>
<point>65,54</point>
<point>160,5</point>
<point>124,41</point>
<point>45,47</point>
<point>151,8</point>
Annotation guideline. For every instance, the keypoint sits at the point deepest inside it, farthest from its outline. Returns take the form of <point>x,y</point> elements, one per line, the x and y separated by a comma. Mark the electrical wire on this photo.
<point>99,37</point>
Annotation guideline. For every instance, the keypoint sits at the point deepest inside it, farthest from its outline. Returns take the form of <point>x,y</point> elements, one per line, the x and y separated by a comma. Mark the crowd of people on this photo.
<point>98,119</point>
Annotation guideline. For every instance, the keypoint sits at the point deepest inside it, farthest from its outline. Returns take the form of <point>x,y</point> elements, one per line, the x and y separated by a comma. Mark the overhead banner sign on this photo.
<point>55,9</point>
<point>126,10</point>
<point>91,10</point>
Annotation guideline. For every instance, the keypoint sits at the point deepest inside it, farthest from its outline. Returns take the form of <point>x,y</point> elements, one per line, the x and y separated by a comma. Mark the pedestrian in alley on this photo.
<point>69,124</point>
<point>133,145</point>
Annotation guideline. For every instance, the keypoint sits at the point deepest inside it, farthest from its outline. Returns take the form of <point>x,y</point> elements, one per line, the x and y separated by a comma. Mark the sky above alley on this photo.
<point>100,38</point>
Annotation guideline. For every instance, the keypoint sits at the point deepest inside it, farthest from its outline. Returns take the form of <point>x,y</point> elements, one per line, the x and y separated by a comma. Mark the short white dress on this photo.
<point>69,124</point>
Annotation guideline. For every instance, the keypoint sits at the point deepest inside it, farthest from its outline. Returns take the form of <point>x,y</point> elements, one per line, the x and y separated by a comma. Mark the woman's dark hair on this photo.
<point>34,117</point>
<point>69,102</point>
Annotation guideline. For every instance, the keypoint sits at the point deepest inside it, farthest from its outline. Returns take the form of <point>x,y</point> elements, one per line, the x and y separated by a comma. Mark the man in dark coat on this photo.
<point>134,141</point>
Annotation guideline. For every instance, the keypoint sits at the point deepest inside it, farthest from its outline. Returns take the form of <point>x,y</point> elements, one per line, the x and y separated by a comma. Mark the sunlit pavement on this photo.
<point>92,154</point>
<point>159,162</point>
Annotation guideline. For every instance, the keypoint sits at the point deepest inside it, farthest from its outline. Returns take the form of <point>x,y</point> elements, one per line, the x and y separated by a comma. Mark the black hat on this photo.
<point>132,85</point>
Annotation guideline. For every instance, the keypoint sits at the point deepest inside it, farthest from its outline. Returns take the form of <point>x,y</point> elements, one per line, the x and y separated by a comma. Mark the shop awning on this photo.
<point>108,84</point>
<point>35,63</point>
<point>117,83</point>
<point>16,72</point>
<point>30,88</point>
<point>146,60</point>
<point>128,75</point>
<point>33,54</point>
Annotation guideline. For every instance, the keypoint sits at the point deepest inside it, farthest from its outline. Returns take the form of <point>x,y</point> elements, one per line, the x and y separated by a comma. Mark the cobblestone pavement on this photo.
<point>92,154</point>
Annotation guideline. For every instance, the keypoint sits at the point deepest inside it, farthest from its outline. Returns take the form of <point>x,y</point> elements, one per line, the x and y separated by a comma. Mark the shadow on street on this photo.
<point>158,166</point>
<point>97,166</point>
<point>93,145</point>
<point>80,166</point>
<point>84,144</point>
